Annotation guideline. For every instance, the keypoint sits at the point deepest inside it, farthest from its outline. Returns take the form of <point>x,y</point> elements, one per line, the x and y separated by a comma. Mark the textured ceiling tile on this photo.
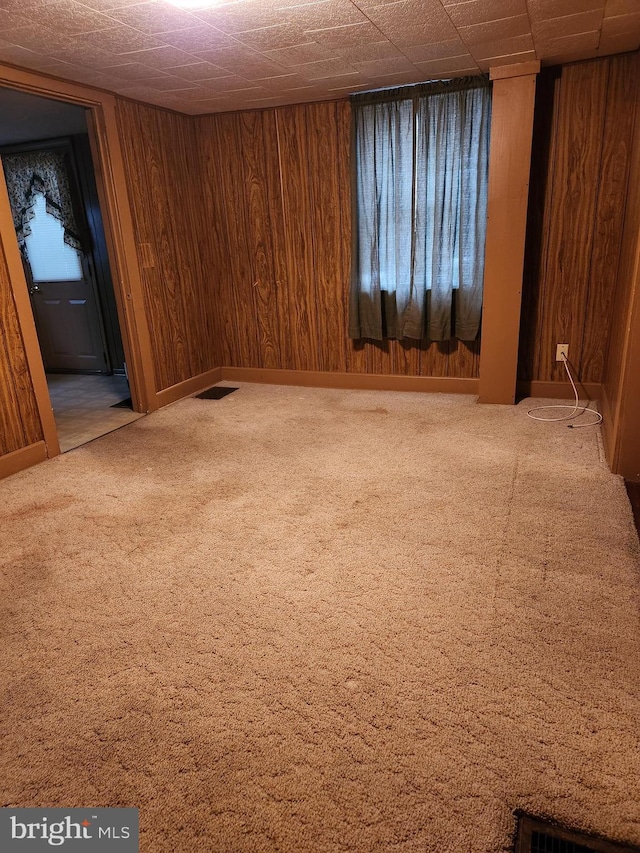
<point>245,62</point>
<point>154,17</point>
<point>283,83</point>
<point>272,38</point>
<point>379,67</point>
<point>621,7</point>
<point>619,43</point>
<point>161,57</point>
<point>10,22</point>
<point>199,71</point>
<point>71,18</point>
<point>106,5</point>
<point>459,65</point>
<point>39,39</point>
<point>246,15</point>
<point>495,30</point>
<point>543,9</point>
<point>83,54</point>
<point>22,56</point>
<point>509,59</point>
<point>169,84</point>
<point>480,11</point>
<point>399,24</point>
<point>311,51</point>
<point>325,14</point>
<point>584,22</point>
<point>121,39</point>
<point>579,42</point>
<point>135,71</point>
<point>343,37</point>
<point>198,39</point>
<point>621,25</point>
<point>438,50</point>
<point>371,51</point>
<point>503,47</point>
<point>326,68</point>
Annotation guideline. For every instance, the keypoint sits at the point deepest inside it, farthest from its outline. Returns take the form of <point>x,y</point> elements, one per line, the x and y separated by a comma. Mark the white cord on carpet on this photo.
<point>575,409</point>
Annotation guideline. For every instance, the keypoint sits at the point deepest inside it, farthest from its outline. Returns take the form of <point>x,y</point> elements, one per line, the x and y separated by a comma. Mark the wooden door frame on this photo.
<point>118,225</point>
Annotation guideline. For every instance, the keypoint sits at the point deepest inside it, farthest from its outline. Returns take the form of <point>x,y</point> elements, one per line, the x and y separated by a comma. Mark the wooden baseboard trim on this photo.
<point>189,386</point>
<point>608,428</point>
<point>559,390</point>
<point>23,458</point>
<point>359,381</point>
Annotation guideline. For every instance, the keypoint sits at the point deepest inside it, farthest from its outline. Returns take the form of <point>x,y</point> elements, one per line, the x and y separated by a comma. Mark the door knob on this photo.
<point>34,289</point>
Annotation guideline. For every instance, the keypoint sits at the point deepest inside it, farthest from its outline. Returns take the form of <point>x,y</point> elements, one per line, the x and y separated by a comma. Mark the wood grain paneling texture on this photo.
<point>579,178</point>
<point>19,421</point>
<point>165,189</point>
<point>277,187</point>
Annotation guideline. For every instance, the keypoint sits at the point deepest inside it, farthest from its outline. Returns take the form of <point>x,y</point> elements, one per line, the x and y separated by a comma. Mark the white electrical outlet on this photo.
<point>562,350</point>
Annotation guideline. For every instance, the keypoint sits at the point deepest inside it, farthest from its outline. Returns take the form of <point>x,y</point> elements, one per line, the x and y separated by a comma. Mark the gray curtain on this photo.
<point>420,196</point>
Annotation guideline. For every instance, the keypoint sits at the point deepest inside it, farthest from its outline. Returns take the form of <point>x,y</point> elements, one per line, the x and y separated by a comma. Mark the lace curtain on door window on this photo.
<point>35,172</point>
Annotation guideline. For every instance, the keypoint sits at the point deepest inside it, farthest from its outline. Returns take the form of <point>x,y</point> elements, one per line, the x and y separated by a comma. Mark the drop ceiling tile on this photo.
<point>310,51</point>
<point>17,55</point>
<point>153,17</point>
<point>583,22</point>
<point>351,35</point>
<point>399,23</point>
<point>121,39</point>
<point>284,82</point>
<point>89,55</point>
<point>480,11</point>
<point>198,39</point>
<point>272,38</point>
<point>438,50</point>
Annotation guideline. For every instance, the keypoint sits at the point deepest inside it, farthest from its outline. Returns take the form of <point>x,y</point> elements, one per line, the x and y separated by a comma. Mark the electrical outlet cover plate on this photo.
<point>562,350</point>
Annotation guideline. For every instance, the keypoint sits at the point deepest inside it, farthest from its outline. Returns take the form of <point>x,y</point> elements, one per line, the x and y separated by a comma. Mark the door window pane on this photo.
<point>51,259</point>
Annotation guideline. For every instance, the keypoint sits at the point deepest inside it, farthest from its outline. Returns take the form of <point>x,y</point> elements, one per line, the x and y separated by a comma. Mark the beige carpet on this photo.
<point>315,621</point>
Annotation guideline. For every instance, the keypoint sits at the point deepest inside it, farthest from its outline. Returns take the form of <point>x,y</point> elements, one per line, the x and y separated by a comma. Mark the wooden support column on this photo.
<point>509,165</point>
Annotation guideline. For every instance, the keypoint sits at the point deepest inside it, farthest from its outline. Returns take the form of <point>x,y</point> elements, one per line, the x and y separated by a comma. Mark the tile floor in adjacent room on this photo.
<point>82,406</point>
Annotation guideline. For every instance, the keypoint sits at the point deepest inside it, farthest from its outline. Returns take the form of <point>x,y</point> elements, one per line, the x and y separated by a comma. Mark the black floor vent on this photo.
<point>215,393</point>
<point>538,836</point>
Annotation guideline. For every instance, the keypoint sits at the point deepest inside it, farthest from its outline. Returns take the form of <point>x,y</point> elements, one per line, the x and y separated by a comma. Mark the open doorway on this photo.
<point>46,155</point>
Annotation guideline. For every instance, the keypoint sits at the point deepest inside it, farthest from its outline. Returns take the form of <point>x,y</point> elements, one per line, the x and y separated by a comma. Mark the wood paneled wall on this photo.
<point>19,421</point>
<point>622,369</point>
<point>165,189</point>
<point>579,178</point>
<point>278,204</point>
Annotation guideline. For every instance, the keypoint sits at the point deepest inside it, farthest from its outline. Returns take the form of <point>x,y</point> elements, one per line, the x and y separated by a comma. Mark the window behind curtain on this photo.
<point>420,193</point>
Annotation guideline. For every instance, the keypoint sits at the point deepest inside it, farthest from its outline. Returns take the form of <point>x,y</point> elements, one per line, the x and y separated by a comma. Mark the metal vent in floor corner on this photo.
<point>539,836</point>
<point>215,393</point>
